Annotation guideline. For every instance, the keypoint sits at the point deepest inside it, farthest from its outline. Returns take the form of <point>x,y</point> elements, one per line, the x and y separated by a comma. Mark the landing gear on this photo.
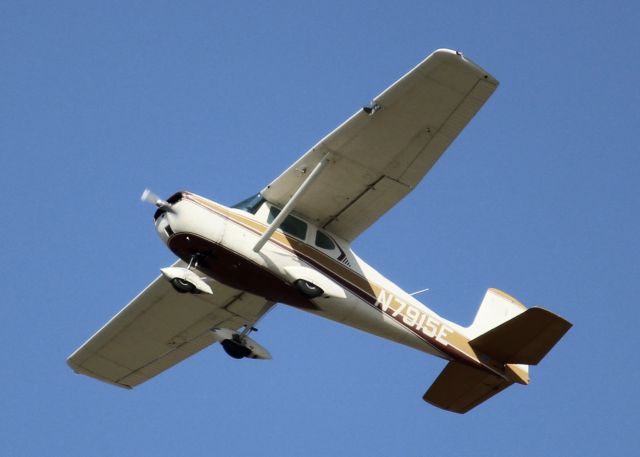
<point>235,349</point>
<point>182,286</point>
<point>308,289</point>
<point>238,344</point>
<point>186,281</point>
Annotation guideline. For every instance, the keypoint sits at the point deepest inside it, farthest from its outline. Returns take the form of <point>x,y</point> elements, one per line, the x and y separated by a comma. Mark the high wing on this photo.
<point>159,328</point>
<point>383,151</point>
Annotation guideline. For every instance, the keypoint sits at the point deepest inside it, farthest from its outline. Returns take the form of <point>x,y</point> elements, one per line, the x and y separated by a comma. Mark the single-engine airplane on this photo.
<point>291,244</point>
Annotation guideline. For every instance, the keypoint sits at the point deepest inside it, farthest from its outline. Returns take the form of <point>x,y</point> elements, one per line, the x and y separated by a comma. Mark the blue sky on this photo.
<point>538,197</point>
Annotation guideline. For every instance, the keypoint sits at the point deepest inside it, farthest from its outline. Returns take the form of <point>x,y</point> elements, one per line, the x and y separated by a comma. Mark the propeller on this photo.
<point>150,197</point>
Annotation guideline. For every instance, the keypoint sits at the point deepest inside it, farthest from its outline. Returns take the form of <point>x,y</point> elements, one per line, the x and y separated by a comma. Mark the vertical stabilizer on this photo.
<point>496,308</point>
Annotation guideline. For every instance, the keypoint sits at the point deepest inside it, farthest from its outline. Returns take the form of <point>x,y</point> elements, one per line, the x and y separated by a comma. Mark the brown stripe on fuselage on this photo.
<point>344,275</point>
<point>233,269</point>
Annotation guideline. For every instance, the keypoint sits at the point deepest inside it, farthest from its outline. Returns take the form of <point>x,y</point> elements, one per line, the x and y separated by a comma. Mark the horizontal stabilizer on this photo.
<point>460,388</point>
<point>524,339</point>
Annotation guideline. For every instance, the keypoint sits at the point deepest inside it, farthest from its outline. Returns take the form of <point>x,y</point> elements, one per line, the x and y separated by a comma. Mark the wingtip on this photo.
<point>446,53</point>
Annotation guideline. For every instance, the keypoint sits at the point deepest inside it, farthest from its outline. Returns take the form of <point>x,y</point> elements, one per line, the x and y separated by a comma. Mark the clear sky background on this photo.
<point>538,197</point>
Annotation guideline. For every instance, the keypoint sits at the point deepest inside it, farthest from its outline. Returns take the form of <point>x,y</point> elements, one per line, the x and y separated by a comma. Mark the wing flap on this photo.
<point>524,339</point>
<point>459,388</point>
<point>160,328</point>
<point>377,199</point>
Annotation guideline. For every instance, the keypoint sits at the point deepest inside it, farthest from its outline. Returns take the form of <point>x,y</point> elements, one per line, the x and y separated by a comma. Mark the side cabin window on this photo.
<point>251,204</point>
<point>324,242</point>
<point>291,225</point>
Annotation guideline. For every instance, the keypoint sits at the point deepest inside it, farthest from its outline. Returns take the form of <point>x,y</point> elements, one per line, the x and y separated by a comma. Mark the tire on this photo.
<point>235,350</point>
<point>308,289</point>
<point>182,286</point>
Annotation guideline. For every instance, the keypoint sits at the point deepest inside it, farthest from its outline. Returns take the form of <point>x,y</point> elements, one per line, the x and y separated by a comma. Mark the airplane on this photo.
<point>291,244</point>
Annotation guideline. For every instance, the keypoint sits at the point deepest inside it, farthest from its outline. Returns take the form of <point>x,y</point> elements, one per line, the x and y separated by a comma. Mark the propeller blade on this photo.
<point>150,197</point>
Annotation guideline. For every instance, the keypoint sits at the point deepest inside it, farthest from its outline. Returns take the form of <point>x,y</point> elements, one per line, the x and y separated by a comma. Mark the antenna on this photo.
<point>419,291</point>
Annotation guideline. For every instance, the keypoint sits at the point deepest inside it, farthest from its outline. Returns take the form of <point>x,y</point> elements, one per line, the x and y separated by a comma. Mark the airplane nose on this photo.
<point>187,217</point>
<point>163,227</point>
<point>159,212</point>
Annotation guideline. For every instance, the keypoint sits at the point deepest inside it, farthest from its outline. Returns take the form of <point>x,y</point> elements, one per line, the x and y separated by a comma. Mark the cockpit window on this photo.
<point>291,225</point>
<point>324,242</point>
<point>251,204</point>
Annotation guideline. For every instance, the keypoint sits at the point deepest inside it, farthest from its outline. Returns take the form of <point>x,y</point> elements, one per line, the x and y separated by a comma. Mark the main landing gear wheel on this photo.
<point>182,286</point>
<point>308,289</point>
<point>235,350</point>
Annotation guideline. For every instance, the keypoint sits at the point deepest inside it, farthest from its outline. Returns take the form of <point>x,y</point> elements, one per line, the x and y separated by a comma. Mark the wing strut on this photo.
<point>291,203</point>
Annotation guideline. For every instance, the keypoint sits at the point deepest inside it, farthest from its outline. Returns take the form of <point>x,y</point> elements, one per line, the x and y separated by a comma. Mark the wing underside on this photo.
<point>160,328</point>
<point>380,154</point>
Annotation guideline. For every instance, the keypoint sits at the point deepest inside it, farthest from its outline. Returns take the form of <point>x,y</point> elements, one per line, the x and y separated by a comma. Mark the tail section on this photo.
<point>496,307</point>
<point>512,337</point>
<point>461,387</point>
<point>524,339</point>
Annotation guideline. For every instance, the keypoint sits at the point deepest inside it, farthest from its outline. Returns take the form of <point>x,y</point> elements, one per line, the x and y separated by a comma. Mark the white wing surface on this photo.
<point>380,154</point>
<point>159,328</point>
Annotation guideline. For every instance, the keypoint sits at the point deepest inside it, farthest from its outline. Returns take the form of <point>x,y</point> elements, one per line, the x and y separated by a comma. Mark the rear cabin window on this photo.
<point>324,242</point>
<point>291,225</point>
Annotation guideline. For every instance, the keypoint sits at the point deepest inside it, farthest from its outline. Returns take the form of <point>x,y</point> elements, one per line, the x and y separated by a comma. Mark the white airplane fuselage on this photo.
<point>355,293</point>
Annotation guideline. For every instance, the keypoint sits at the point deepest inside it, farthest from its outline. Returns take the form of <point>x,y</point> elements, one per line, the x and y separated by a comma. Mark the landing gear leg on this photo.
<point>193,262</point>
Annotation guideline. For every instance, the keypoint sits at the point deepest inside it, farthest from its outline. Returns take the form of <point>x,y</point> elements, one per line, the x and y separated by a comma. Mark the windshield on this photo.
<point>250,204</point>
